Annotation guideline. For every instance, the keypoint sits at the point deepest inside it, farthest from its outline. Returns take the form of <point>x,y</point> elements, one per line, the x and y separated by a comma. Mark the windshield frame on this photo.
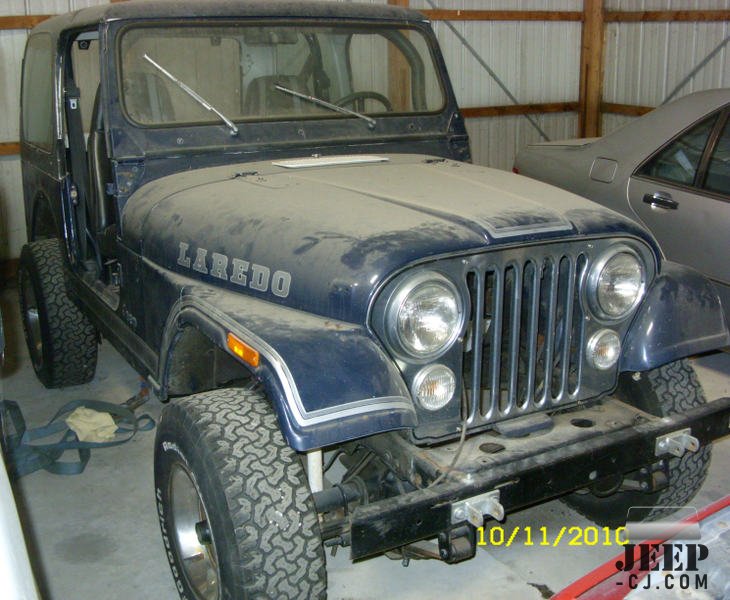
<point>446,96</point>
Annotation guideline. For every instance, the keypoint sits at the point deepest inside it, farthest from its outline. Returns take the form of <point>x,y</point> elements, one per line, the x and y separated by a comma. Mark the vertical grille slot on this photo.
<point>523,349</point>
<point>576,345</point>
<point>528,333</point>
<point>495,293</point>
<point>563,328</point>
<point>473,346</point>
<point>548,308</point>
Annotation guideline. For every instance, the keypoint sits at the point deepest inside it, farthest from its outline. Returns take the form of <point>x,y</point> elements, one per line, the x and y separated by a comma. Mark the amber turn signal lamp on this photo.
<point>243,351</point>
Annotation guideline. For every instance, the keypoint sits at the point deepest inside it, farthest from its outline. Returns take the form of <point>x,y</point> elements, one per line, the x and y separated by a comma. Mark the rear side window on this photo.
<point>718,171</point>
<point>37,103</point>
<point>679,161</point>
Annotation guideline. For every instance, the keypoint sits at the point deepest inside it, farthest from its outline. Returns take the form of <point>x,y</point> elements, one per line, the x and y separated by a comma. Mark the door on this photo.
<point>108,269</point>
<point>682,194</point>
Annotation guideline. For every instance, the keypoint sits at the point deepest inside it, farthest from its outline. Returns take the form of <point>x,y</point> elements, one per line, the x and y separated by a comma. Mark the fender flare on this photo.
<point>313,412</point>
<point>681,315</point>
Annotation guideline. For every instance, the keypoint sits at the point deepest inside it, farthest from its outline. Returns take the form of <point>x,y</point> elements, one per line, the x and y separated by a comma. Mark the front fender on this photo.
<point>328,381</point>
<point>680,316</point>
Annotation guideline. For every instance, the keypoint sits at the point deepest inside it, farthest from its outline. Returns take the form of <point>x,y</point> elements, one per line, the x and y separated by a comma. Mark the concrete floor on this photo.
<point>96,535</point>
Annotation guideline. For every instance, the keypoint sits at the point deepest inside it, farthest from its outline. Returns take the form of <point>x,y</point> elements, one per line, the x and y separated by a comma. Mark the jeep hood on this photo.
<point>338,230</point>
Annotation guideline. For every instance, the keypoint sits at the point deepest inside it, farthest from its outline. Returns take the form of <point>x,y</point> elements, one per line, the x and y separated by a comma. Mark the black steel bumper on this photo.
<point>583,447</point>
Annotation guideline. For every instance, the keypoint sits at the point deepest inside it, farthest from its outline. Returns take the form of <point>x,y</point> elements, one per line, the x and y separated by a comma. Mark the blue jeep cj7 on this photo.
<point>366,341</point>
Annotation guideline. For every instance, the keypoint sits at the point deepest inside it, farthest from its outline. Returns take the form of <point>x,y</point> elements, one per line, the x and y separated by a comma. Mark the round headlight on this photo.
<point>618,284</point>
<point>434,386</point>
<point>426,315</point>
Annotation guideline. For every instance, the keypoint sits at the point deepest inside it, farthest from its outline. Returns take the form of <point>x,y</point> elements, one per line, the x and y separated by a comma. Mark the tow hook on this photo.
<point>475,509</point>
<point>676,443</point>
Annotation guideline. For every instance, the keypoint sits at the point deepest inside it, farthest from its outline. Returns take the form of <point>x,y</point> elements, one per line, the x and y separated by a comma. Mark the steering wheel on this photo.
<point>360,97</point>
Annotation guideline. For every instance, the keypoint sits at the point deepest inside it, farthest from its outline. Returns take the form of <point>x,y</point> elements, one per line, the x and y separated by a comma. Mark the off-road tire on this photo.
<point>669,389</point>
<point>263,525</point>
<point>68,340</point>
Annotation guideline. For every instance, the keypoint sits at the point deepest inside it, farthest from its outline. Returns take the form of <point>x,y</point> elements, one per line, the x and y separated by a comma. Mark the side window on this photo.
<point>85,61</point>
<point>37,92</point>
<point>718,171</point>
<point>678,162</point>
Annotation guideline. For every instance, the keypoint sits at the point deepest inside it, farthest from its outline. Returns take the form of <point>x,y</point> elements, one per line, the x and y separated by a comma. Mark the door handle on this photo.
<point>662,200</point>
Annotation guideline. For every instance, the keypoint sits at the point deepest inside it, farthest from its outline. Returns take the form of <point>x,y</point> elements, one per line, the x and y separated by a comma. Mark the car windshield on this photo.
<point>240,72</point>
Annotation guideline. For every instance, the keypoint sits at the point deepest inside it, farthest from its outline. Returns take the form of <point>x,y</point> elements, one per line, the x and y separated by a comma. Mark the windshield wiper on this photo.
<point>325,104</point>
<point>194,95</point>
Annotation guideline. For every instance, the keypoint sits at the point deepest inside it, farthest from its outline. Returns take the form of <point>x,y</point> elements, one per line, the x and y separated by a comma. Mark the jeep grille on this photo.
<point>523,351</point>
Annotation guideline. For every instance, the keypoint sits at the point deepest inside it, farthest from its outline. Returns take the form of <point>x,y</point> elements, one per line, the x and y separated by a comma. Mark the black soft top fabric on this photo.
<point>170,9</point>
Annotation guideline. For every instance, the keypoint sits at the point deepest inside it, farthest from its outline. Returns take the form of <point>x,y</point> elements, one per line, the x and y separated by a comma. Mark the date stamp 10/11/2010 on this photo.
<point>541,536</point>
<point>674,527</point>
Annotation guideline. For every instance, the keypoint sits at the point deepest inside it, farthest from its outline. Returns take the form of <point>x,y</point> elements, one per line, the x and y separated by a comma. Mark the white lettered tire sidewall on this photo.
<point>254,489</point>
<point>175,453</point>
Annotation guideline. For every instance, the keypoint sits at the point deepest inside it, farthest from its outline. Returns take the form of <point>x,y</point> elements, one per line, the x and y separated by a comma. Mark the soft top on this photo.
<point>170,9</point>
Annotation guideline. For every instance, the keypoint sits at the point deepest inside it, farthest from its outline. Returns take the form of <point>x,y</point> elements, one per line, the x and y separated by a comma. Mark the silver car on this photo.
<point>670,170</point>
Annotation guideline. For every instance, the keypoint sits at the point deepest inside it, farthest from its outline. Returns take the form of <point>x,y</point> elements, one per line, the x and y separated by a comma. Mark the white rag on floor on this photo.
<point>91,425</point>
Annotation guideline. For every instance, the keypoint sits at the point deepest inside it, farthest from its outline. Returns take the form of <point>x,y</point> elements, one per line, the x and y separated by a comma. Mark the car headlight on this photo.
<point>424,315</point>
<point>616,283</point>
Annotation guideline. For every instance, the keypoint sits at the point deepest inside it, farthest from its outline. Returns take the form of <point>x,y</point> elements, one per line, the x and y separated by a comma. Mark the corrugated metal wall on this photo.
<point>644,62</point>
<point>537,61</point>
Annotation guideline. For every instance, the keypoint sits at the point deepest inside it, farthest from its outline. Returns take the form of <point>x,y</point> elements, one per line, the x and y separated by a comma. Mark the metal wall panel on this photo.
<point>537,61</point>
<point>645,62</point>
<point>13,7</point>
<point>495,141</point>
<point>612,122</point>
<point>361,1</point>
<point>12,216</point>
<point>501,4</point>
<point>666,4</point>
<point>12,44</point>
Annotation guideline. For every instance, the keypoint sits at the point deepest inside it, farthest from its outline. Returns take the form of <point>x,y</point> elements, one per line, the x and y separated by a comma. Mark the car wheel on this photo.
<point>666,390</point>
<point>61,340</point>
<point>235,510</point>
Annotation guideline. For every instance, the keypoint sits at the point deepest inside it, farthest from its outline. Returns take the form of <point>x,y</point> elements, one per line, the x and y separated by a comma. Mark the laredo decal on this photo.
<point>241,272</point>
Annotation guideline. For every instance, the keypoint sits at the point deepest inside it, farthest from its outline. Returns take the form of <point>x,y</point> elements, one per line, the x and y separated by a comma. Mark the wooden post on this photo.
<point>399,76</point>
<point>591,69</point>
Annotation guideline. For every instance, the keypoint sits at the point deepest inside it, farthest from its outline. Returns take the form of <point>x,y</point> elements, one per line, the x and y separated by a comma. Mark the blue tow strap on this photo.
<point>24,457</point>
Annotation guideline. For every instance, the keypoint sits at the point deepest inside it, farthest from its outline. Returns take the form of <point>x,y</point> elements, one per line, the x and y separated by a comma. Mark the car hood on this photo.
<point>333,229</point>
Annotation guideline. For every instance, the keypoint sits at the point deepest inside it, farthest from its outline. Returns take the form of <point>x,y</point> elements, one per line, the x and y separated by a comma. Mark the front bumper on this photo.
<point>582,448</point>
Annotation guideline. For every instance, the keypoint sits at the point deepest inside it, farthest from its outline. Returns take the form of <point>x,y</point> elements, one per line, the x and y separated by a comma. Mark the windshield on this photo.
<point>240,72</point>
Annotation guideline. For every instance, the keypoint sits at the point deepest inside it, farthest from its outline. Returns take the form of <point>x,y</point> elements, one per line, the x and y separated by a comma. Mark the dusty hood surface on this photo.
<point>339,230</point>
